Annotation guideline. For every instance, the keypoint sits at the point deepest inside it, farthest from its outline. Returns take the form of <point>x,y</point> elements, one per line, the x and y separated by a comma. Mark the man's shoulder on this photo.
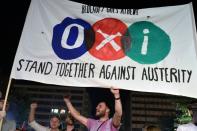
<point>187,126</point>
<point>9,124</point>
<point>32,122</point>
<point>96,120</point>
<point>8,121</point>
<point>92,119</point>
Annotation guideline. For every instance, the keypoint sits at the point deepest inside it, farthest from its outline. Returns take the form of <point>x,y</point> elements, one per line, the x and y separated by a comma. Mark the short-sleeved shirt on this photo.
<point>93,125</point>
<point>38,127</point>
<point>187,127</point>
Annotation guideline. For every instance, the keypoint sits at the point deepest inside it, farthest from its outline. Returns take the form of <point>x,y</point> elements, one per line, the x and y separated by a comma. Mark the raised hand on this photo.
<point>34,105</point>
<point>67,98</point>
<point>115,91</point>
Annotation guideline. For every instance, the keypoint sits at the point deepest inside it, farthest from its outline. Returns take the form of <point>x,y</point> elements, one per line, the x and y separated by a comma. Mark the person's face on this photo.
<point>101,109</point>
<point>54,123</point>
<point>69,121</point>
<point>1,105</point>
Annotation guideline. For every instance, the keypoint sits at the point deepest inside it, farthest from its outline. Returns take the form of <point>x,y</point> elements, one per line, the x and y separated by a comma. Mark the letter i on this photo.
<point>145,42</point>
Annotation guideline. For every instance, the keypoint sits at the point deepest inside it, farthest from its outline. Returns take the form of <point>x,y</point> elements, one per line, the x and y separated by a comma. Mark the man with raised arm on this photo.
<point>54,121</point>
<point>104,123</point>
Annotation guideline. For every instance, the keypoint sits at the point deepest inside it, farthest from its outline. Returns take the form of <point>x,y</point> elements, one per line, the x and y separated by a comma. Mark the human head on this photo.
<point>55,122</point>
<point>102,109</point>
<point>1,104</point>
<point>69,119</point>
<point>152,128</point>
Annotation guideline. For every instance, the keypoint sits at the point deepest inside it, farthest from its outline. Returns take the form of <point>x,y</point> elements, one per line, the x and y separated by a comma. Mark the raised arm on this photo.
<point>83,120</point>
<point>33,107</point>
<point>118,107</point>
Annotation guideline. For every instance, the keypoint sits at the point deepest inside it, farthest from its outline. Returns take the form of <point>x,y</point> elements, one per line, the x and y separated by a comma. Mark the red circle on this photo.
<point>108,31</point>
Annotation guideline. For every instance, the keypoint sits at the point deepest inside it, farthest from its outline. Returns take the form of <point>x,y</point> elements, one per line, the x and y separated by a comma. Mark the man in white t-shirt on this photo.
<point>54,121</point>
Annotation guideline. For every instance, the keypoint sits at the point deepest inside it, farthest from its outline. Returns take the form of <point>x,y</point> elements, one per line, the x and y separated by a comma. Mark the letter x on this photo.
<point>109,38</point>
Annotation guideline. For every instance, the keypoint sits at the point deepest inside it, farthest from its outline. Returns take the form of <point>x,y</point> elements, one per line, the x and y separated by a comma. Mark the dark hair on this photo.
<point>152,128</point>
<point>108,100</point>
<point>189,107</point>
<point>69,119</point>
<point>55,116</point>
<point>109,104</point>
<point>106,103</point>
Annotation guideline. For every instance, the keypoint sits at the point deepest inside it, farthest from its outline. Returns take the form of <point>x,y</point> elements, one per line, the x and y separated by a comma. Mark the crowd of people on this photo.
<point>103,122</point>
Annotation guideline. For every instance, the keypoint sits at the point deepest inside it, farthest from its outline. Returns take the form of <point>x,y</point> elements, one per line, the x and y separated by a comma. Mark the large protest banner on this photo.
<point>73,44</point>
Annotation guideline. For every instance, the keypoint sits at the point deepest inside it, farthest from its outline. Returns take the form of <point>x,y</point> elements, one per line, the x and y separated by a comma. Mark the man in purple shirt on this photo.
<point>104,123</point>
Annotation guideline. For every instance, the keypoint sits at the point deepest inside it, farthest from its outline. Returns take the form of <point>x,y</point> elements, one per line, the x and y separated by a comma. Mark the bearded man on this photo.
<point>104,122</point>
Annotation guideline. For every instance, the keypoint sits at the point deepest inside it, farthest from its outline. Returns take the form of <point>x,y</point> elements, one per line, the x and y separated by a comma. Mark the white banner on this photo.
<point>73,44</point>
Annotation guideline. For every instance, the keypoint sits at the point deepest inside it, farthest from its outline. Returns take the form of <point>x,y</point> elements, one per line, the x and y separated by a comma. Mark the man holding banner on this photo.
<point>104,123</point>
<point>2,113</point>
<point>7,125</point>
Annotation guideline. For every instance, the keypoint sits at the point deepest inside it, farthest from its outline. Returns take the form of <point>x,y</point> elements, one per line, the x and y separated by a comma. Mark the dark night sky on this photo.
<point>13,15</point>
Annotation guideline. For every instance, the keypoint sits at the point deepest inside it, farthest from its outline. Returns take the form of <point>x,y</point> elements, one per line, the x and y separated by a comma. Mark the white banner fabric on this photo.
<point>72,44</point>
